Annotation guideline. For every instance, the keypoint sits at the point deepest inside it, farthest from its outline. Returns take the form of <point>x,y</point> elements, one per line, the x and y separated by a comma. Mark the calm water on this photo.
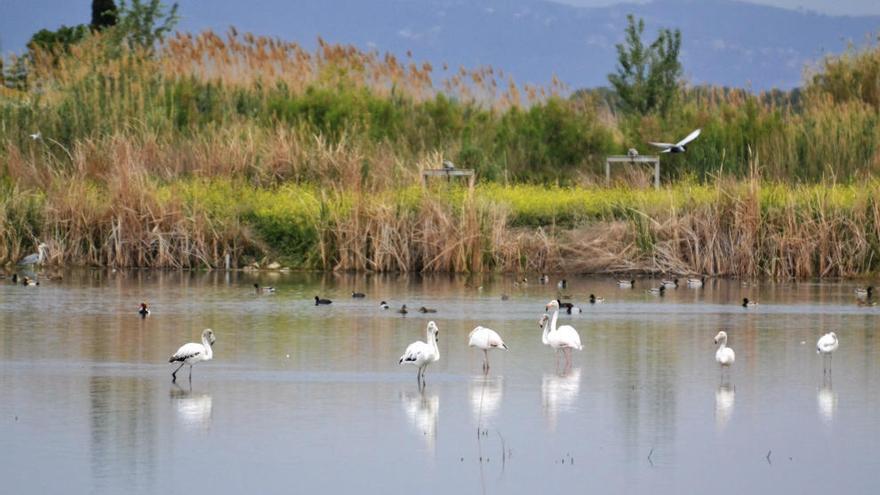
<point>310,399</point>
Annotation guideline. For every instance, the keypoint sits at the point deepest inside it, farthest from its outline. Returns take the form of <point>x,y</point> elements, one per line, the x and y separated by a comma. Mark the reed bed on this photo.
<point>249,148</point>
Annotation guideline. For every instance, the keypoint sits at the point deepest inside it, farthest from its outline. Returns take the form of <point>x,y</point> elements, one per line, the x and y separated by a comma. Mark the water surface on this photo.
<point>310,399</point>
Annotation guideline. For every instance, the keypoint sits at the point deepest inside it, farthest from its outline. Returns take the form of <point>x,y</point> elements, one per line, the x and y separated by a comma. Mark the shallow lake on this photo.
<point>306,399</point>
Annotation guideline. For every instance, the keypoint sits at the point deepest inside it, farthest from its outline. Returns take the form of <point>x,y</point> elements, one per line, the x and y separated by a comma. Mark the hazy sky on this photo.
<point>834,7</point>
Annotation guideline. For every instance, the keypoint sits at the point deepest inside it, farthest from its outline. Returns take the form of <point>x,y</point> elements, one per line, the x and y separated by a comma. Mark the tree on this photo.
<point>104,14</point>
<point>143,23</point>
<point>647,78</point>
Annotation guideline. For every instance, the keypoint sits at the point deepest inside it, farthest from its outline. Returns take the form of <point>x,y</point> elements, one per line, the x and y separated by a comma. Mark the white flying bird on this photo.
<point>679,147</point>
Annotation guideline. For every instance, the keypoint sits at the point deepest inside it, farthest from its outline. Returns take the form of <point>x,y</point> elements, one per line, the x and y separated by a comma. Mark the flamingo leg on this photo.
<point>568,358</point>
<point>485,360</point>
<point>190,374</point>
<point>174,373</point>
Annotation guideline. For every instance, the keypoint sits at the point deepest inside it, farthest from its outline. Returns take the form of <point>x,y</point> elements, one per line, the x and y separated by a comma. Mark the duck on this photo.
<point>263,290</point>
<point>403,310</point>
<point>383,305</point>
<point>670,284</point>
<point>657,291</point>
<point>596,300</point>
<point>27,281</point>
<point>573,310</point>
<point>545,279</point>
<point>865,293</point>
<point>696,282</point>
<point>358,295</point>
<point>504,297</point>
<point>564,305</point>
<point>14,278</point>
<point>427,310</point>
<point>749,304</point>
<point>626,284</point>
<point>562,284</point>
<point>319,301</point>
<point>143,311</point>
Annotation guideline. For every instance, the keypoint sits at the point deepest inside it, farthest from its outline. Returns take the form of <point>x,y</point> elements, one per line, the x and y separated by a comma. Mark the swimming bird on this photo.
<point>14,278</point>
<point>657,291</point>
<point>749,304</point>
<point>573,310</point>
<point>427,310</point>
<point>485,338</point>
<point>143,311</point>
<point>383,305</point>
<point>263,290</point>
<point>358,295</point>
<point>626,284</point>
<point>36,258</point>
<point>696,283</point>
<point>562,284</point>
<point>865,293</point>
<point>670,284</point>
<point>421,354</point>
<point>193,353</point>
<point>319,301</point>
<point>504,297</point>
<point>403,310</point>
<point>27,281</point>
<point>679,147</point>
<point>826,345</point>
<point>564,338</point>
<point>545,279</point>
<point>724,356</point>
<point>596,300</point>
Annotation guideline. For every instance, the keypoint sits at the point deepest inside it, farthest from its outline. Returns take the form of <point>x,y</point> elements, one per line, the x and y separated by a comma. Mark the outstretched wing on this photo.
<point>689,138</point>
<point>662,145</point>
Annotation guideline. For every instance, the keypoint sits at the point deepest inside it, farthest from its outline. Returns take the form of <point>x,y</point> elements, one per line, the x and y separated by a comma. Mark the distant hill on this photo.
<point>726,42</point>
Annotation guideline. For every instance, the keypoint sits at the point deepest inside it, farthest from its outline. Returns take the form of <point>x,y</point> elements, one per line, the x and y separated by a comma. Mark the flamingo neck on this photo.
<point>209,352</point>
<point>553,320</point>
<point>433,342</point>
<point>723,345</point>
<point>545,338</point>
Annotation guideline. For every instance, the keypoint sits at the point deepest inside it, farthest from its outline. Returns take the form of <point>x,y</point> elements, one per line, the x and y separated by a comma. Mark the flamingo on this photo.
<point>421,354</point>
<point>564,338</point>
<point>826,345</point>
<point>193,353</point>
<point>724,356</point>
<point>485,339</point>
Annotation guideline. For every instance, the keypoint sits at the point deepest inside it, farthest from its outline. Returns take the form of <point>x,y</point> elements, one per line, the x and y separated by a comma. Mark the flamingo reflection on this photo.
<point>725,396</point>
<point>560,392</point>
<point>826,400</point>
<point>421,409</point>
<point>485,395</point>
<point>194,410</point>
